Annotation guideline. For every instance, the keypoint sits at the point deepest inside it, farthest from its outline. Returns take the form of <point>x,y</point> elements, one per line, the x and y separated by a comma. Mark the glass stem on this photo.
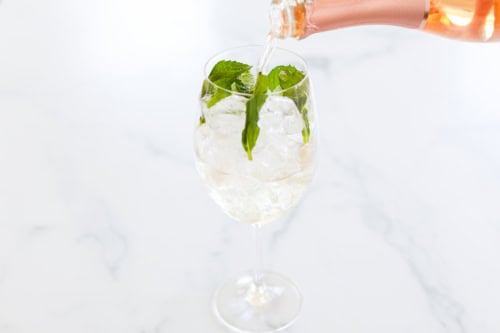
<point>259,254</point>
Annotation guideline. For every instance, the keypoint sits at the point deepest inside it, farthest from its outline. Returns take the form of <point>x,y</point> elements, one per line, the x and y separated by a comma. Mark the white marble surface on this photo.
<point>105,226</point>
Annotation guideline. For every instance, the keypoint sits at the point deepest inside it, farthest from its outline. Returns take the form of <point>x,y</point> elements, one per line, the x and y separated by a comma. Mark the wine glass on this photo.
<point>259,186</point>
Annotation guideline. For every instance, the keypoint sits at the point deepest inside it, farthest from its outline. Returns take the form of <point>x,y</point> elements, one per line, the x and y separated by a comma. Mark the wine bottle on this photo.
<point>469,20</point>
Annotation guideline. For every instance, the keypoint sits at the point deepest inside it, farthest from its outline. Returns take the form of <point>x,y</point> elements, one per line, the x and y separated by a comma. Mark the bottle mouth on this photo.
<point>281,17</point>
<point>287,18</point>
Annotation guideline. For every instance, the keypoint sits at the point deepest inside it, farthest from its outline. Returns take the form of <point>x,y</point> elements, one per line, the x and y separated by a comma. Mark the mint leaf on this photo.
<point>262,85</point>
<point>285,77</point>
<point>227,69</point>
<point>216,96</point>
<point>226,76</point>
<point>306,131</point>
<point>204,88</point>
<point>300,97</point>
<point>202,121</point>
<point>244,83</point>
<point>217,93</point>
<point>254,104</point>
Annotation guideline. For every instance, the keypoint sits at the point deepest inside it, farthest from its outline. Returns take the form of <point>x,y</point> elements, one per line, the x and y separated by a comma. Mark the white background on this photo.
<point>105,226</point>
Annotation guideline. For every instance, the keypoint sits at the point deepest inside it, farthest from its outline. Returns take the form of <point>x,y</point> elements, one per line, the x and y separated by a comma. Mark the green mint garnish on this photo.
<point>254,104</point>
<point>244,83</point>
<point>217,95</point>
<point>230,76</point>
<point>285,77</point>
<point>306,131</point>
<point>225,69</point>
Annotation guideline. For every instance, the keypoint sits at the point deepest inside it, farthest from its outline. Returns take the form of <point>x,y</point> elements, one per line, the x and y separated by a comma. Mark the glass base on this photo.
<point>270,306</point>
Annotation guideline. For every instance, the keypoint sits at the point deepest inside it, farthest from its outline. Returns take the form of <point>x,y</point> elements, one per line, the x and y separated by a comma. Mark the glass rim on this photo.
<point>248,46</point>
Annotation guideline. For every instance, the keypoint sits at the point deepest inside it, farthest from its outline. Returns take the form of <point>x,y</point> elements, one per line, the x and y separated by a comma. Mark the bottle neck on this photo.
<point>288,18</point>
<point>299,18</point>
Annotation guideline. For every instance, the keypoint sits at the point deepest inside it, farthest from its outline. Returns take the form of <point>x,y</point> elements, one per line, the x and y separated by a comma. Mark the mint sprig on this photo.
<point>227,69</point>
<point>286,77</point>
<point>226,76</point>
<point>254,104</point>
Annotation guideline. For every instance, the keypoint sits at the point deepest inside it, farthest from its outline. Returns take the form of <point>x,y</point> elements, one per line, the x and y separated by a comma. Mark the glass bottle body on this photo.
<point>470,20</point>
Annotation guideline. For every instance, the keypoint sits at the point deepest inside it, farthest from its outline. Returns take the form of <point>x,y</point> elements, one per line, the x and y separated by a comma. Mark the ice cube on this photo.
<point>278,160</point>
<point>225,153</point>
<point>280,115</point>
<point>277,152</point>
<point>228,115</point>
